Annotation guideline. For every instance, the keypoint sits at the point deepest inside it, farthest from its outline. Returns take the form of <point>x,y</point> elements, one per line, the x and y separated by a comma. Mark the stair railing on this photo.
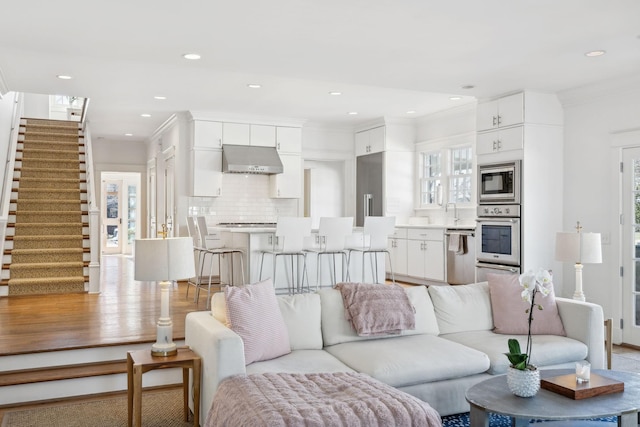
<point>94,210</point>
<point>7,183</point>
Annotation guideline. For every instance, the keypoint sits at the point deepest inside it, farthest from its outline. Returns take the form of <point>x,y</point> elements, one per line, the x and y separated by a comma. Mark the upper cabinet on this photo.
<point>206,134</point>
<point>205,158</point>
<point>288,139</point>
<point>370,141</point>
<point>236,133</point>
<point>503,112</point>
<point>263,135</point>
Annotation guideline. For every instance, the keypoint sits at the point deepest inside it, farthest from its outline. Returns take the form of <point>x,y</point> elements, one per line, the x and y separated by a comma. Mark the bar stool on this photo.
<point>197,253</point>
<point>332,234</point>
<point>212,248</point>
<point>289,243</point>
<point>375,235</point>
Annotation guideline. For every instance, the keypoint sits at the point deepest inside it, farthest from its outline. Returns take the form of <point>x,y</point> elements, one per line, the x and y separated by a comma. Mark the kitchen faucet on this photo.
<point>455,212</point>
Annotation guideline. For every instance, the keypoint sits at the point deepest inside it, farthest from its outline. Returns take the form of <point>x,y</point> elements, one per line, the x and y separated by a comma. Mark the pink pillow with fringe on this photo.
<point>254,314</point>
<point>510,310</point>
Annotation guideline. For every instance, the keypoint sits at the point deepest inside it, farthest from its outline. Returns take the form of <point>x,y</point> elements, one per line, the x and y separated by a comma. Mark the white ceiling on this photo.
<point>386,56</point>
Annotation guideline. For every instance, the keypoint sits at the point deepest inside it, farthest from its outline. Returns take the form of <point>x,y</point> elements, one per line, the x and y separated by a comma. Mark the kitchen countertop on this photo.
<point>435,226</point>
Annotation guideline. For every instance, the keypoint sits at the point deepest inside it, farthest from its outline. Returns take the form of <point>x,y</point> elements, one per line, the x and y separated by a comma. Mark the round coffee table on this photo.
<point>493,395</point>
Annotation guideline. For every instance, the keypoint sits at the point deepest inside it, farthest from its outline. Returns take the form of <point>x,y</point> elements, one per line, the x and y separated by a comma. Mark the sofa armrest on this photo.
<point>584,322</point>
<point>221,351</point>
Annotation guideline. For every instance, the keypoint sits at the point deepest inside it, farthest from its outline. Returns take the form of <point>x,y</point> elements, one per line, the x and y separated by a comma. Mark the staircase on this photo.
<point>47,247</point>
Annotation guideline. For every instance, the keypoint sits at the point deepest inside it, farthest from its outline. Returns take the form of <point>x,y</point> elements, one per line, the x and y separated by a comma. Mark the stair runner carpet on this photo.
<point>47,253</point>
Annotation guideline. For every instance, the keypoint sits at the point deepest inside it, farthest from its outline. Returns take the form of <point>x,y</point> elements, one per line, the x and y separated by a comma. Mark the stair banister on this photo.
<point>94,210</point>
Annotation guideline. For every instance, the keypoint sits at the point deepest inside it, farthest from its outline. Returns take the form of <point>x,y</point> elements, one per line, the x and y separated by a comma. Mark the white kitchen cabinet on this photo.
<point>263,136</point>
<point>206,172</point>
<point>503,112</point>
<point>288,139</point>
<point>426,254</point>
<point>397,247</point>
<point>288,184</point>
<point>500,140</point>
<point>236,133</point>
<point>370,141</point>
<point>207,134</point>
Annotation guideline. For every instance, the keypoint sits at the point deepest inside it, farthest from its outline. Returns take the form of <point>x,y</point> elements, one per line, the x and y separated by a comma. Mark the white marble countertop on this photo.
<point>446,226</point>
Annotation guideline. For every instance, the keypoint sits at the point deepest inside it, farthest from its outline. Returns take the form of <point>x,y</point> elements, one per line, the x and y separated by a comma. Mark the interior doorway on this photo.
<point>119,212</point>
<point>324,195</point>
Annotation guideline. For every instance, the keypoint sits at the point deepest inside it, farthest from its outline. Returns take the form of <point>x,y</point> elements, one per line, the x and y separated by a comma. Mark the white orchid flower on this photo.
<point>528,283</point>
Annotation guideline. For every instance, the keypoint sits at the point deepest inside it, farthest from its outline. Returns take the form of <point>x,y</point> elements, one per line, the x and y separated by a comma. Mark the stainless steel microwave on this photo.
<point>499,183</point>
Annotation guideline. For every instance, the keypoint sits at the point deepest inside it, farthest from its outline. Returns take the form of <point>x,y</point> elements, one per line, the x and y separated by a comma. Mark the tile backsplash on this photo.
<point>244,198</point>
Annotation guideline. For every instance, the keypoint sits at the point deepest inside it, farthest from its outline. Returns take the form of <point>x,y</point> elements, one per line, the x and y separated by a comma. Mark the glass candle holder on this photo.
<point>583,372</point>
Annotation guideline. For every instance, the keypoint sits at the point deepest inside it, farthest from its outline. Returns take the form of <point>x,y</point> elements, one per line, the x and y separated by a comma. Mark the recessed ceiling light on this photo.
<point>411,112</point>
<point>353,113</point>
<point>254,86</point>
<point>468,87</point>
<point>455,98</point>
<point>335,93</point>
<point>594,53</point>
<point>128,134</point>
<point>192,56</point>
<point>145,115</point>
<point>160,97</point>
<point>63,77</point>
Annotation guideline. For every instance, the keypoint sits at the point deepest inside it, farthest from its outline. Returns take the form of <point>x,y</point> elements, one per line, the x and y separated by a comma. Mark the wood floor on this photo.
<point>125,312</point>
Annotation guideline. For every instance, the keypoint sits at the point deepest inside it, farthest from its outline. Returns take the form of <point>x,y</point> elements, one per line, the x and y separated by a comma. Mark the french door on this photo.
<point>119,215</point>
<point>631,245</point>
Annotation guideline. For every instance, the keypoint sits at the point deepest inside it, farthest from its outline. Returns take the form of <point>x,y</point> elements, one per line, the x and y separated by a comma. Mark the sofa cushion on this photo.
<point>510,311</point>
<point>462,308</point>
<point>408,360</point>
<point>254,314</point>
<point>336,328</point>
<point>301,314</point>
<point>300,362</point>
<point>548,350</point>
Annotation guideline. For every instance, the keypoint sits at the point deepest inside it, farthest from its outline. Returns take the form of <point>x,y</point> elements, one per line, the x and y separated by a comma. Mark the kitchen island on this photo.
<point>418,253</point>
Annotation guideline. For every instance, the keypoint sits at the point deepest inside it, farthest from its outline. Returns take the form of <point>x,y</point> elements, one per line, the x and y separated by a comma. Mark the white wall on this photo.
<point>36,106</point>
<point>593,117</point>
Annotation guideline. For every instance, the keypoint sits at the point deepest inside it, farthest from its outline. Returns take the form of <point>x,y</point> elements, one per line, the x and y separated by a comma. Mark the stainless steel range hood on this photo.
<point>250,159</point>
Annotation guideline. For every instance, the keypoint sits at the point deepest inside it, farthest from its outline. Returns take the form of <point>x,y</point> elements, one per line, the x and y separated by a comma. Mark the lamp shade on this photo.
<point>580,248</point>
<point>164,259</point>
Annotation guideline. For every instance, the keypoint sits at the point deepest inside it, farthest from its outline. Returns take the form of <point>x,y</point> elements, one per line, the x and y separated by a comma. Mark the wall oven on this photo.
<point>499,183</point>
<point>498,234</point>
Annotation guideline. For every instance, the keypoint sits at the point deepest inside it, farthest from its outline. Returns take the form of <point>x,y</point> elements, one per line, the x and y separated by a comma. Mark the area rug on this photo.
<point>495,420</point>
<point>159,409</point>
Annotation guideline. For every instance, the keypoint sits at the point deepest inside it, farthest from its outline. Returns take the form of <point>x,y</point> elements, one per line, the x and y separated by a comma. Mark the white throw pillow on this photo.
<point>301,313</point>
<point>462,308</point>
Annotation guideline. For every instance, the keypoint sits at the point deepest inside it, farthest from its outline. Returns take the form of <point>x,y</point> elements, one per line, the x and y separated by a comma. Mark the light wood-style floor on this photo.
<point>125,312</point>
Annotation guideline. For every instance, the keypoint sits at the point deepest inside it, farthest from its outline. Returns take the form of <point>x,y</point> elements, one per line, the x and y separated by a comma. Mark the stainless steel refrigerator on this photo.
<point>369,184</point>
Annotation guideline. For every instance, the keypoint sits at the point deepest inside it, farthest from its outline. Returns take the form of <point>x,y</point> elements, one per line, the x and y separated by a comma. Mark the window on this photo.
<point>431,181</point>
<point>453,181</point>
<point>460,176</point>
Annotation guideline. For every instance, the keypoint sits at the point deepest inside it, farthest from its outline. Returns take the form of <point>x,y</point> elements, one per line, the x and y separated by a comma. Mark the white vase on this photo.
<point>524,383</point>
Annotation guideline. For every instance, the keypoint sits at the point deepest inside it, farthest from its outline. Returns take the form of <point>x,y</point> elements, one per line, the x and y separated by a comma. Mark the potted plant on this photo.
<point>523,378</point>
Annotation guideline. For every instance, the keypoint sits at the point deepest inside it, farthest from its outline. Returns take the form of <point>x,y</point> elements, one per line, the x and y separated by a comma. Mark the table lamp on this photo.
<point>164,260</point>
<point>580,248</point>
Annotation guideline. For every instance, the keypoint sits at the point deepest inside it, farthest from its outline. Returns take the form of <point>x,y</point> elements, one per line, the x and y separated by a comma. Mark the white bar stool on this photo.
<point>290,235</point>
<point>332,235</point>
<point>376,232</point>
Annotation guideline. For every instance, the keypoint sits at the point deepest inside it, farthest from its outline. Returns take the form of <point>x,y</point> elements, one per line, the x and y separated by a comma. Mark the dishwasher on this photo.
<point>461,256</point>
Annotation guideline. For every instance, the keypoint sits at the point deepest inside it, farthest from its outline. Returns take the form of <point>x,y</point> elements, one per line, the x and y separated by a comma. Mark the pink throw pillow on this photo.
<point>254,314</point>
<point>509,309</point>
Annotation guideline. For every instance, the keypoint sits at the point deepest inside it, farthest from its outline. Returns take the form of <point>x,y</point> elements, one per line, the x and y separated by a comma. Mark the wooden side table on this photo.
<point>141,361</point>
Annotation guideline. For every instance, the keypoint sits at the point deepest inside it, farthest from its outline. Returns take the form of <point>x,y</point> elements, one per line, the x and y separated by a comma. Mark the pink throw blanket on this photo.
<point>314,400</point>
<point>376,309</point>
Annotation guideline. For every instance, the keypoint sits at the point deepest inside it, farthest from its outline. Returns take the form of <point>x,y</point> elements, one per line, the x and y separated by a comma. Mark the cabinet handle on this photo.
<point>499,145</point>
<point>278,146</point>
<point>499,119</point>
<point>495,145</point>
<point>495,121</point>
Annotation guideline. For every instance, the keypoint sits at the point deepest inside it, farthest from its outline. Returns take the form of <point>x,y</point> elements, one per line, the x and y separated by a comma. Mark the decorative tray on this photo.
<point>567,385</point>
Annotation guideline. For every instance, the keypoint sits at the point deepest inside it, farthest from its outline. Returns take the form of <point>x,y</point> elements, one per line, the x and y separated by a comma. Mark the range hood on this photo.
<point>250,159</point>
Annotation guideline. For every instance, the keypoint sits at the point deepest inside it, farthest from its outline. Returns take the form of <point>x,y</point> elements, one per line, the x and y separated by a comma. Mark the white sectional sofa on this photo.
<point>451,348</point>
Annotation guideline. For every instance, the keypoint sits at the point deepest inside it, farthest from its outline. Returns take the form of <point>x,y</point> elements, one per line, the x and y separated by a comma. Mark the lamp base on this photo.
<point>164,350</point>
